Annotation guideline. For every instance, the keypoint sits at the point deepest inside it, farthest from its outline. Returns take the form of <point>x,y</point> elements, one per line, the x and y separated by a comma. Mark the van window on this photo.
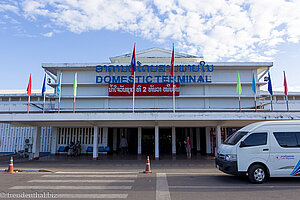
<point>256,139</point>
<point>234,138</point>
<point>287,139</point>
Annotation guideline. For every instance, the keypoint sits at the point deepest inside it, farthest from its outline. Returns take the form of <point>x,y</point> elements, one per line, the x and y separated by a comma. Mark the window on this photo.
<point>287,139</point>
<point>15,98</point>
<point>234,138</point>
<point>256,139</point>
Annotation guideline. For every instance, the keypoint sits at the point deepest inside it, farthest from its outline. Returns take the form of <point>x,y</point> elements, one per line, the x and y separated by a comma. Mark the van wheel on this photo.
<point>257,174</point>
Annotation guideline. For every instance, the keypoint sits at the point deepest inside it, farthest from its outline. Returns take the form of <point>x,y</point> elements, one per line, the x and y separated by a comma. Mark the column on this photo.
<point>115,139</point>
<point>139,140</point>
<point>156,142</point>
<point>105,138</point>
<point>218,137</point>
<point>198,139</point>
<point>95,143</point>
<point>173,141</point>
<point>208,142</point>
<point>36,137</point>
<point>54,134</point>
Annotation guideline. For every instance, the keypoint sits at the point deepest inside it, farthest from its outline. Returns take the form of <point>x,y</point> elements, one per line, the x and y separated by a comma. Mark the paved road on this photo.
<point>93,185</point>
<point>220,186</point>
<point>135,185</point>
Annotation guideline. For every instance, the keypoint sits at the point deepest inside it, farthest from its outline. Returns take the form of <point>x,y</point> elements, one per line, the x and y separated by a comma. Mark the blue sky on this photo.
<point>40,31</point>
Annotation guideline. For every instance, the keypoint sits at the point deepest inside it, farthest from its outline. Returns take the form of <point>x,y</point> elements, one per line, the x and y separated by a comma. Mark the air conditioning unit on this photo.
<point>28,141</point>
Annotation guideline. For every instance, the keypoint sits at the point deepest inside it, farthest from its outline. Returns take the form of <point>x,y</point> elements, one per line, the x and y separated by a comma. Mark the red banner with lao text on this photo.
<point>143,89</point>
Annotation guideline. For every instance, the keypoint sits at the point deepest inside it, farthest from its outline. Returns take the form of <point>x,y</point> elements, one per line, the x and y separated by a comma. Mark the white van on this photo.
<point>262,150</point>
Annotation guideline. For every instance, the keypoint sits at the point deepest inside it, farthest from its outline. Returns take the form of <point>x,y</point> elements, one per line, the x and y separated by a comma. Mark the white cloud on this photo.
<point>217,29</point>
<point>50,34</point>
<point>8,7</point>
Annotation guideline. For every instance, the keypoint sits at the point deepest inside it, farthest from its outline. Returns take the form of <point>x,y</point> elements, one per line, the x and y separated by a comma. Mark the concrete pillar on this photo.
<point>198,139</point>
<point>156,142</point>
<point>173,141</point>
<point>115,139</point>
<point>105,136</point>
<point>95,143</point>
<point>218,137</point>
<point>139,140</point>
<point>54,134</point>
<point>36,139</point>
<point>208,142</point>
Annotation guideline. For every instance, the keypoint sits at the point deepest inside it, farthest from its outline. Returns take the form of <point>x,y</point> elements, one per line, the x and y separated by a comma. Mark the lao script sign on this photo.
<point>143,89</point>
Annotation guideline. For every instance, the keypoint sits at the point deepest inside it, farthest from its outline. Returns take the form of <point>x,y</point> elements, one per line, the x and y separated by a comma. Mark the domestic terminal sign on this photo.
<point>143,89</point>
<point>200,73</point>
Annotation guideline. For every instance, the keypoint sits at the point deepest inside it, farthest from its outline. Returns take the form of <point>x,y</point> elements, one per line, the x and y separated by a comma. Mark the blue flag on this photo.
<point>253,84</point>
<point>270,84</point>
<point>58,86</point>
<point>133,62</point>
<point>44,86</point>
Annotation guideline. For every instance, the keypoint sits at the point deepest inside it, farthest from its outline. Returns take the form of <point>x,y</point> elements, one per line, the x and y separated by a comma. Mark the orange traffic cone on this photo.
<point>148,170</point>
<point>11,166</point>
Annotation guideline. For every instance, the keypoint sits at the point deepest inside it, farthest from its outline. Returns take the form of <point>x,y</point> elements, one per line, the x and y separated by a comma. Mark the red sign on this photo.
<point>143,89</point>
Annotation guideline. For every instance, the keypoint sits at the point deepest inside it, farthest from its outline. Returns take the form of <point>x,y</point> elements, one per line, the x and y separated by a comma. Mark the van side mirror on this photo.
<point>242,144</point>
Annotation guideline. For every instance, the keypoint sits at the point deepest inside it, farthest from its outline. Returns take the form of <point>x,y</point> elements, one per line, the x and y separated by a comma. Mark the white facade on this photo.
<point>207,108</point>
<point>12,139</point>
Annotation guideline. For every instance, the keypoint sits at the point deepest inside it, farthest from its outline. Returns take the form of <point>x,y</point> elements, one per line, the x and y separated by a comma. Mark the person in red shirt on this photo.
<point>188,147</point>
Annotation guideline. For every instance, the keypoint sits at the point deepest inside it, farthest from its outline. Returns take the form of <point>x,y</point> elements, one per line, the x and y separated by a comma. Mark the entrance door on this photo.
<point>165,141</point>
<point>132,140</point>
<point>202,141</point>
<point>180,137</point>
<point>130,135</point>
<point>148,141</point>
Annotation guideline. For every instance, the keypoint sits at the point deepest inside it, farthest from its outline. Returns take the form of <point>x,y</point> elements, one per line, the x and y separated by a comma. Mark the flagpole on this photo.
<point>133,92</point>
<point>240,102</point>
<point>271,102</point>
<point>29,93</point>
<point>59,91</point>
<point>287,103</point>
<point>173,92</point>
<point>74,105</point>
<point>239,89</point>
<point>286,91</point>
<point>44,103</point>
<point>255,102</point>
<point>172,74</point>
<point>174,88</point>
<point>59,102</point>
<point>28,104</point>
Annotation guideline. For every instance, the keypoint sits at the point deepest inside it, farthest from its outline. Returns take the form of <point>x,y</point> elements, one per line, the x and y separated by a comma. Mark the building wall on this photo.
<point>84,135</point>
<point>219,94</point>
<point>12,139</point>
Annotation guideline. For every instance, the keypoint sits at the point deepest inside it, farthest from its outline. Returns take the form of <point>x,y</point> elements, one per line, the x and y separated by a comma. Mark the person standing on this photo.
<point>188,147</point>
<point>77,151</point>
<point>71,149</point>
<point>124,145</point>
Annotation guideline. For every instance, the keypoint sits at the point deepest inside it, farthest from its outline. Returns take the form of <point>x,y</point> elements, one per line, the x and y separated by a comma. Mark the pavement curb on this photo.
<point>29,170</point>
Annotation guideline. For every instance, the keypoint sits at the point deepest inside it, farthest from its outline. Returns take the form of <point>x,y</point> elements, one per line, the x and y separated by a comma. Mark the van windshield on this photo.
<point>235,137</point>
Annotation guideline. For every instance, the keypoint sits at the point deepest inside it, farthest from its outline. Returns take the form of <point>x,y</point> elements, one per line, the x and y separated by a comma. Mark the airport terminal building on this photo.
<point>206,106</point>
